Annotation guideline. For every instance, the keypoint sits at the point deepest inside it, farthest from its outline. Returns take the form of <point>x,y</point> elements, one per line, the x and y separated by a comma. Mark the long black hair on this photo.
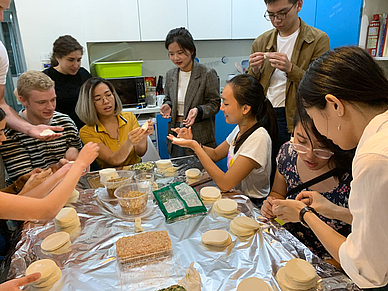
<point>341,160</point>
<point>248,91</point>
<point>350,74</point>
<point>183,38</point>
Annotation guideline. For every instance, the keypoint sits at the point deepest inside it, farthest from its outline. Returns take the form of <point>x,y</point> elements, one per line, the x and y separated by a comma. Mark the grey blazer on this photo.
<point>203,92</point>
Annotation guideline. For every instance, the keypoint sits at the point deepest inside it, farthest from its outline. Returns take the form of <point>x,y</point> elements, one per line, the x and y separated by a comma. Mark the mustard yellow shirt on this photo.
<point>98,134</point>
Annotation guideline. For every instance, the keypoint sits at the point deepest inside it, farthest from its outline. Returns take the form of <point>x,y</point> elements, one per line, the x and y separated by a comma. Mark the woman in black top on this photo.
<point>68,75</point>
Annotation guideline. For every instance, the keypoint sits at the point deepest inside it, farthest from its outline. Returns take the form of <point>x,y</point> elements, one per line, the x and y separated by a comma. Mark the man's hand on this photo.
<point>189,121</point>
<point>35,131</point>
<point>15,284</point>
<point>279,61</point>
<point>256,61</point>
<point>165,110</point>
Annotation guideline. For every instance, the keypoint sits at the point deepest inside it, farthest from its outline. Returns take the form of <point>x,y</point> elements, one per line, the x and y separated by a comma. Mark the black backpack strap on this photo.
<point>311,182</point>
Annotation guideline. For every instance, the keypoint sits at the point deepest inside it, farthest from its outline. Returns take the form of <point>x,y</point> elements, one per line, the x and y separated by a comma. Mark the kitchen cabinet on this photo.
<point>158,17</point>
<point>340,20</point>
<point>111,22</point>
<point>210,19</point>
<point>248,20</point>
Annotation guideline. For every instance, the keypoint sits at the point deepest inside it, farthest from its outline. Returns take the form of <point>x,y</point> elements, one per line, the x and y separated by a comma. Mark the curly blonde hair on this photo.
<point>33,80</point>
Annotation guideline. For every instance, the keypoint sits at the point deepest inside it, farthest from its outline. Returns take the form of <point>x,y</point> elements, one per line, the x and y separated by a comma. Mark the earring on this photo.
<point>339,112</point>
<point>339,127</point>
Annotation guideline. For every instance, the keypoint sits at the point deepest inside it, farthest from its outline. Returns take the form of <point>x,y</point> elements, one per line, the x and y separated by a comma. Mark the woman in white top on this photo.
<point>345,92</point>
<point>248,147</point>
<point>192,92</point>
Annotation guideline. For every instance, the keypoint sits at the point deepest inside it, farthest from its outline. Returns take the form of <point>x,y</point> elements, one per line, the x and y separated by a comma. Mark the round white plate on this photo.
<point>149,209</point>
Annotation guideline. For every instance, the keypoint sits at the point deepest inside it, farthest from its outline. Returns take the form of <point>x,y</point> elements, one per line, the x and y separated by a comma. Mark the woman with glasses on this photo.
<point>345,92</point>
<point>307,157</point>
<point>122,142</point>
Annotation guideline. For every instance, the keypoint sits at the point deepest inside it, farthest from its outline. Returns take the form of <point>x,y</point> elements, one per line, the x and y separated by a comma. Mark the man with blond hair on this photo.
<point>22,153</point>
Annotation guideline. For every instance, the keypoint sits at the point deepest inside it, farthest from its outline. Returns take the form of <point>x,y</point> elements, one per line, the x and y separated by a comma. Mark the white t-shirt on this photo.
<point>277,85</point>
<point>4,63</point>
<point>364,254</point>
<point>183,82</point>
<point>258,148</point>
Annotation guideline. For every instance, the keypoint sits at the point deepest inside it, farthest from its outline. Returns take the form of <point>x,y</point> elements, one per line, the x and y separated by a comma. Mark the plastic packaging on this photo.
<point>179,201</point>
<point>373,35</point>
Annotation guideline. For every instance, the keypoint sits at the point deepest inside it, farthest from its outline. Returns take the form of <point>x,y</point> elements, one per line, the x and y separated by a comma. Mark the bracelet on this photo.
<point>303,212</point>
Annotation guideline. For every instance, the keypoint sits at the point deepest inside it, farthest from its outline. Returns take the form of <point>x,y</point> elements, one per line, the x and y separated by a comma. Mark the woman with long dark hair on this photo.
<point>345,92</point>
<point>311,161</point>
<point>66,71</point>
<point>249,147</point>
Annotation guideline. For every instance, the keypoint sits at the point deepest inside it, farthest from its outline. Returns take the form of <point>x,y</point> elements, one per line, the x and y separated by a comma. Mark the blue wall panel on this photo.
<point>308,12</point>
<point>340,20</point>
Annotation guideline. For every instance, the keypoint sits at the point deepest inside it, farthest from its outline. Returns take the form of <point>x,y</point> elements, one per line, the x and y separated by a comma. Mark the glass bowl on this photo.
<point>111,184</point>
<point>132,198</point>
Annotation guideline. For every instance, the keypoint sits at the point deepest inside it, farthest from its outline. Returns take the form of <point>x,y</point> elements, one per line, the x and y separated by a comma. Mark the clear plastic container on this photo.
<point>111,184</point>
<point>133,198</point>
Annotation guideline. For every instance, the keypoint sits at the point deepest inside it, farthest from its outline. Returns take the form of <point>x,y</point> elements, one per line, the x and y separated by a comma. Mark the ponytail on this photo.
<point>248,91</point>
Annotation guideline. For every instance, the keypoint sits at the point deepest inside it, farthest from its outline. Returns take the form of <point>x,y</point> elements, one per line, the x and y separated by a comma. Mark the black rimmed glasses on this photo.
<point>280,16</point>
<point>322,154</point>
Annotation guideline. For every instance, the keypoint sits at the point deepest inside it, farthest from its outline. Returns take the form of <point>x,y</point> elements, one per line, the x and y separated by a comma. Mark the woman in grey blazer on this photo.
<point>192,93</point>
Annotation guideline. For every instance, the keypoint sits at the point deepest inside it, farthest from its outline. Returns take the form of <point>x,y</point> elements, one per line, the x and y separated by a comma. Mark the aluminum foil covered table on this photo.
<point>91,263</point>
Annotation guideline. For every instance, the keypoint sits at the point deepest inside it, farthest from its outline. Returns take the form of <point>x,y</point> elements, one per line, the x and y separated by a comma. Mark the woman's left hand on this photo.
<point>189,121</point>
<point>287,210</point>
<point>183,132</point>
<point>185,143</point>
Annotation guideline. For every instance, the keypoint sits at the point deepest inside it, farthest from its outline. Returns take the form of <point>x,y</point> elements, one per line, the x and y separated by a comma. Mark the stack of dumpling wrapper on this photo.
<point>56,243</point>
<point>226,208</point>
<point>253,284</point>
<point>217,238</point>
<point>210,194</point>
<point>49,274</point>
<point>244,226</point>
<point>67,220</point>
<point>297,274</point>
<point>73,198</point>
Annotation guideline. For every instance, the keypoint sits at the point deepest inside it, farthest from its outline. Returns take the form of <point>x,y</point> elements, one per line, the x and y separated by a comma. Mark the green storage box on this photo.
<point>119,69</point>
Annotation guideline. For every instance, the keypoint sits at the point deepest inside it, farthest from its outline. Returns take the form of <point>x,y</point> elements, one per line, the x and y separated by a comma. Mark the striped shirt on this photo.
<point>22,153</point>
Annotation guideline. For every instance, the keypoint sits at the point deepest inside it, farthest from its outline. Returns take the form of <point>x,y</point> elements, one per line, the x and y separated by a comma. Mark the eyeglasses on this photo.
<point>100,100</point>
<point>280,16</point>
<point>322,154</point>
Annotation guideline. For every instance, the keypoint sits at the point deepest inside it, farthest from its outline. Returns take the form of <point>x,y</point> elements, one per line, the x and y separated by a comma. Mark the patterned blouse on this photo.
<point>286,162</point>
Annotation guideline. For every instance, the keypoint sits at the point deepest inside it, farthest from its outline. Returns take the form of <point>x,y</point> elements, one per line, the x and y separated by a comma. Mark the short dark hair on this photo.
<point>183,38</point>
<point>272,1</point>
<point>350,74</point>
<point>2,114</point>
<point>63,46</point>
<point>341,160</point>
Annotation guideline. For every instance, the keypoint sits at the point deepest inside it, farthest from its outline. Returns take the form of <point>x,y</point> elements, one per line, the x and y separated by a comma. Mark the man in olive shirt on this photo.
<point>281,56</point>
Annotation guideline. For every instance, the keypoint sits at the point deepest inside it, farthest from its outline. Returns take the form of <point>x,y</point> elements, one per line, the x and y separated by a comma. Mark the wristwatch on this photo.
<point>303,212</point>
